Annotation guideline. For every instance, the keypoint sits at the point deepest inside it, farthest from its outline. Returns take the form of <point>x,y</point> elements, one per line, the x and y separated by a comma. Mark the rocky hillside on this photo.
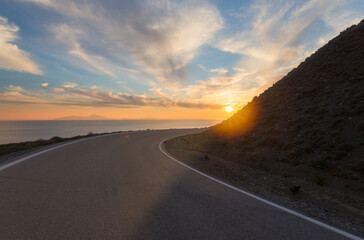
<point>301,142</point>
<point>313,117</point>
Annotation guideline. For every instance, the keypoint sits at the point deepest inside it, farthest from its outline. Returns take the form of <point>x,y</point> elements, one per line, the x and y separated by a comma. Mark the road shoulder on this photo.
<point>272,187</point>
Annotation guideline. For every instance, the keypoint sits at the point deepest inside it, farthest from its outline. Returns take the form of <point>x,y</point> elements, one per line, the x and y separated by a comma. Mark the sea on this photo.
<point>21,131</point>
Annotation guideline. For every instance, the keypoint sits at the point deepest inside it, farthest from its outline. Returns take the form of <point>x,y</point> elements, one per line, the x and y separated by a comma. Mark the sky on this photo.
<point>159,59</point>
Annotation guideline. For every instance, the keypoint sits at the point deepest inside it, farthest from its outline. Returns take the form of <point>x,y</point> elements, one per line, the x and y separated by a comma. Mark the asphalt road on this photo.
<point>124,187</point>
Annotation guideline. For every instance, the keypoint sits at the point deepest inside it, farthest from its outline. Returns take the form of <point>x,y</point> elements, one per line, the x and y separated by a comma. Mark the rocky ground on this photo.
<point>337,202</point>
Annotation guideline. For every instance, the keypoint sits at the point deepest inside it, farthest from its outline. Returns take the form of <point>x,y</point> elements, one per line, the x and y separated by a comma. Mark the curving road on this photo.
<point>124,187</point>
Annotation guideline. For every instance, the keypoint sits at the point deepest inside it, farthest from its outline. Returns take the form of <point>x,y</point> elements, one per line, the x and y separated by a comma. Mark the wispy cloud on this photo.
<point>12,58</point>
<point>276,36</point>
<point>276,41</point>
<point>13,88</point>
<point>71,95</point>
<point>233,90</point>
<point>219,70</point>
<point>161,37</point>
<point>71,38</point>
<point>155,41</point>
<point>58,90</point>
<point>128,69</point>
<point>70,85</point>
<point>45,84</point>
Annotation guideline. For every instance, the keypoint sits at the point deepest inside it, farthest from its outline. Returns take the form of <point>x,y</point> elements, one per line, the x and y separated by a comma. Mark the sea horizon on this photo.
<point>13,131</point>
<point>117,119</point>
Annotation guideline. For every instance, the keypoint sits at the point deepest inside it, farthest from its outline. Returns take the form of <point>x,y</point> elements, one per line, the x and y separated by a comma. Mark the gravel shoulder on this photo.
<point>334,202</point>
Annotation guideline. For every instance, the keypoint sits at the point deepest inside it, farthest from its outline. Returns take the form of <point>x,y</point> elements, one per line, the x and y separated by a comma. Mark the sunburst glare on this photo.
<point>229,109</point>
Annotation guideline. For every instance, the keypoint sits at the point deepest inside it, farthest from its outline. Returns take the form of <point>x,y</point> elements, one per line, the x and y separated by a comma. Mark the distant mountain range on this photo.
<point>90,117</point>
<point>98,117</point>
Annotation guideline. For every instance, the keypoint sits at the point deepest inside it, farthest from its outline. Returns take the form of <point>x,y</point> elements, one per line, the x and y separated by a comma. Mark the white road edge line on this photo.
<point>314,221</point>
<point>10,164</point>
<point>324,225</point>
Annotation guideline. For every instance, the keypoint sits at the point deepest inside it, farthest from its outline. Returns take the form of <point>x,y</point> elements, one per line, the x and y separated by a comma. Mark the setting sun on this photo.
<point>229,109</point>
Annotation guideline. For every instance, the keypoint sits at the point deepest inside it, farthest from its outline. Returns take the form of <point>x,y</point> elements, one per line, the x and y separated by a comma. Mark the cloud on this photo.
<point>338,20</point>
<point>71,38</point>
<point>219,70</point>
<point>233,90</point>
<point>71,95</point>
<point>275,42</point>
<point>279,35</point>
<point>203,67</point>
<point>12,58</point>
<point>160,37</point>
<point>128,69</point>
<point>45,84</point>
<point>13,88</point>
<point>58,90</point>
<point>70,85</point>
<point>18,95</point>
<point>175,32</point>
